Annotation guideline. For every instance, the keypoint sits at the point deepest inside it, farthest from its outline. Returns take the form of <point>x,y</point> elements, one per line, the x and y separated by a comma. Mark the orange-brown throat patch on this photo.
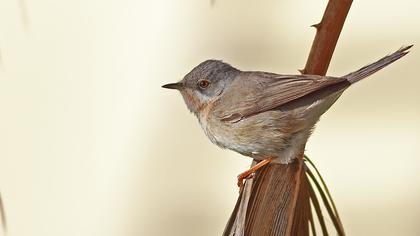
<point>193,103</point>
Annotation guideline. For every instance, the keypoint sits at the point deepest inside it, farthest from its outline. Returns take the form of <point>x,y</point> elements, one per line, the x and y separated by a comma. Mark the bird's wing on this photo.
<point>257,92</point>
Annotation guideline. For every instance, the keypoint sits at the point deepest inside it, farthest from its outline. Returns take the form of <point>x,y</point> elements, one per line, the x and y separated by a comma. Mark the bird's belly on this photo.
<point>265,135</point>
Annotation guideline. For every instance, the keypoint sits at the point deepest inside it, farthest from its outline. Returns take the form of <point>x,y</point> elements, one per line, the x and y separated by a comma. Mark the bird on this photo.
<point>266,116</point>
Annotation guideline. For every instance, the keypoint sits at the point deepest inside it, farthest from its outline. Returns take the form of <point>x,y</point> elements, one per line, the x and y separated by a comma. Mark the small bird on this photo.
<point>266,116</point>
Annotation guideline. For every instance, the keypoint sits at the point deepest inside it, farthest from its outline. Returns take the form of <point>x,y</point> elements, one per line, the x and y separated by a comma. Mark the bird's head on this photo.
<point>204,84</point>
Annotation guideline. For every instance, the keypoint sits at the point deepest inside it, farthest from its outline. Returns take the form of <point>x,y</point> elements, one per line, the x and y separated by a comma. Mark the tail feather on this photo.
<point>376,66</point>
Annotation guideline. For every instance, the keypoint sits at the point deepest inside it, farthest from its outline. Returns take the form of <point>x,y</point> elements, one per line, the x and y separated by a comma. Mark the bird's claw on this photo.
<point>242,178</point>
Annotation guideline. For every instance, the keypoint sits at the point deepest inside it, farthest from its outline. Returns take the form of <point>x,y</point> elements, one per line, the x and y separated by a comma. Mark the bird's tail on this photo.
<point>376,66</point>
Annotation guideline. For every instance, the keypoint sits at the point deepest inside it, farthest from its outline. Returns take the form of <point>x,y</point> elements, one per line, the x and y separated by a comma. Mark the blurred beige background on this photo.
<point>91,145</point>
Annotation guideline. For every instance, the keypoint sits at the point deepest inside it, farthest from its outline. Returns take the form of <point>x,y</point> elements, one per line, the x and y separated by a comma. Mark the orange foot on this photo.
<point>251,171</point>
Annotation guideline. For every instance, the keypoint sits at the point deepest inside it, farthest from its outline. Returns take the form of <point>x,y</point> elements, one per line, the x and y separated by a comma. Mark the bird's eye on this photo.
<point>203,83</point>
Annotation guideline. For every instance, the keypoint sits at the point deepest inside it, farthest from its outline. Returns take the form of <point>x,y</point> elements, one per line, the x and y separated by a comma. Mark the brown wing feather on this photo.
<point>257,92</point>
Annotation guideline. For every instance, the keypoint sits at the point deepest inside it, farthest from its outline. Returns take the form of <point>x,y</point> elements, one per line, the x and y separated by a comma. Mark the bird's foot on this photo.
<point>248,174</point>
<point>242,177</point>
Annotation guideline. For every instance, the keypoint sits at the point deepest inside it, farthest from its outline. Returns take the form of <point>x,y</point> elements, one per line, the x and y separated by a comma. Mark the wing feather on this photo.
<point>260,92</point>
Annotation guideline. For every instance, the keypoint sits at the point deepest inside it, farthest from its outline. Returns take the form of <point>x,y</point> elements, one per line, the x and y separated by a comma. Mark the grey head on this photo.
<point>204,84</point>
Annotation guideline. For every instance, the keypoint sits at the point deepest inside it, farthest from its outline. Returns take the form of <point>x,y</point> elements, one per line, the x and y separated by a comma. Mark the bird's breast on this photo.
<point>204,118</point>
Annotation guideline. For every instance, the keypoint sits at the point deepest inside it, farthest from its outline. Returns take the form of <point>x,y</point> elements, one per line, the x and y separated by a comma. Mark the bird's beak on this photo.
<point>173,86</point>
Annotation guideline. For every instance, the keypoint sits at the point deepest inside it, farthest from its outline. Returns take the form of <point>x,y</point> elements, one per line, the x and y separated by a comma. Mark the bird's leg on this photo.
<point>251,171</point>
